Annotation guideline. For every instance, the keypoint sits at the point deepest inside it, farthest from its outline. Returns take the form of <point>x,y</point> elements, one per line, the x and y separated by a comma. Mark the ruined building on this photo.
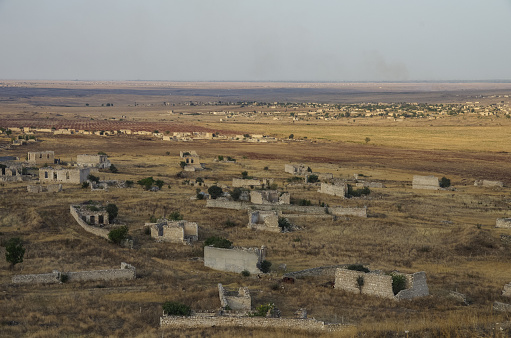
<point>41,157</point>
<point>269,197</point>
<point>379,284</point>
<point>191,160</point>
<point>296,169</point>
<point>235,301</point>
<point>174,231</point>
<point>264,220</point>
<point>94,161</point>
<point>425,182</point>
<point>338,190</point>
<point>63,175</point>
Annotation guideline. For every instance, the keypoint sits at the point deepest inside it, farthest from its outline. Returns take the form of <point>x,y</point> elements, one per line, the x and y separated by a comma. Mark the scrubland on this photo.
<point>449,234</point>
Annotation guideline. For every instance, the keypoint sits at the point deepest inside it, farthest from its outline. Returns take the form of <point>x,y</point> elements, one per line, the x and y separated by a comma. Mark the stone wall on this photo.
<point>42,278</point>
<point>92,229</point>
<point>126,271</point>
<point>269,197</point>
<point>489,184</point>
<point>99,161</point>
<point>502,307</point>
<point>295,169</point>
<point>425,182</point>
<point>234,260</point>
<point>211,320</point>
<point>360,184</point>
<point>41,188</point>
<point>264,220</point>
<point>503,223</point>
<point>314,272</point>
<point>379,284</point>
<point>236,302</point>
<point>507,290</point>
<point>174,231</point>
<point>335,190</point>
<point>245,183</point>
<point>336,211</point>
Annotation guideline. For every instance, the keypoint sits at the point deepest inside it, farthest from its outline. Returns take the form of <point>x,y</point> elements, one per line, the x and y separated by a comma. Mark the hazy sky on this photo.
<point>256,40</point>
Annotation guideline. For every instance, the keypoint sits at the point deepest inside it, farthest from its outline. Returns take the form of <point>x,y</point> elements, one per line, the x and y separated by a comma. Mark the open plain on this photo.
<point>331,127</point>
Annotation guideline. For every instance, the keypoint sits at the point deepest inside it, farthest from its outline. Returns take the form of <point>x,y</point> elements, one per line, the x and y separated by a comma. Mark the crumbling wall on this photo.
<point>234,260</point>
<point>240,302</point>
<point>295,169</point>
<point>99,161</point>
<point>489,184</point>
<point>245,183</point>
<point>264,220</point>
<point>379,284</point>
<point>210,320</point>
<point>92,229</point>
<point>347,211</point>
<point>269,197</point>
<point>503,223</point>
<point>335,190</point>
<point>126,271</point>
<point>174,231</point>
<point>425,182</point>
<point>507,290</point>
<point>41,188</point>
<point>314,272</point>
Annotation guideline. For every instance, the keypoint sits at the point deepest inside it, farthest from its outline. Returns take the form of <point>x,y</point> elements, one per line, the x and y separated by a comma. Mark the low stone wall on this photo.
<point>92,229</point>
<point>42,278</point>
<point>489,184</point>
<point>210,320</point>
<point>361,184</point>
<point>336,211</point>
<point>126,271</point>
<point>503,223</point>
<point>501,307</point>
<point>319,271</point>
<point>41,188</point>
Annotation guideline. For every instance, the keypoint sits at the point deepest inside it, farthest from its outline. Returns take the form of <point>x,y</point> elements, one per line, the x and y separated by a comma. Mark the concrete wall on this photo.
<point>75,175</point>
<point>234,260</point>
<point>41,157</point>
<point>92,229</point>
<point>210,320</point>
<point>425,182</point>
<point>335,190</point>
<point>503,223</point>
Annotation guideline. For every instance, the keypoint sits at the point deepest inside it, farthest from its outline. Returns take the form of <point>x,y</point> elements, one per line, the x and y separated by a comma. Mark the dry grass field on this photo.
<point>448,234</point>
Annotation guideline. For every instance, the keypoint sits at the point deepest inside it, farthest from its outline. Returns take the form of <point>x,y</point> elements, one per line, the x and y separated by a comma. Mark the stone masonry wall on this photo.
<point>374,284</point>
<point>489,184</point>
<point>93,230</point>
<point>503,223</point>
<point>240,302</point>
<point>42,278</point>
<point>425,182</point>
<point>417,287</point>
<point>254,322</point>
<point>319,271</point>
<point>233,260</point>
<point>335,190</point>
<point>245,183</point>
<point>507,290</point>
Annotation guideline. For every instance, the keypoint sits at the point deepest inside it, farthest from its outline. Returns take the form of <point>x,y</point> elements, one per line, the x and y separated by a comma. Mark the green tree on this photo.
<point>176,309</point>
<point>147,182</point>
<point>291,136</point>
<point>215,191</point>
<point>445,182</point>
<point>367,139</point>
<point>159,183</point>
<point>182,164</point>
<point>113,169</point>
<point>265,266</point>
<point>14,251</point>
<point>218,242</point>
<point>175,216</point>
<point>93,178</point>
<point>119,234</point>
<point>284,224</point>
<point>312,178</point>
<point>113,211</point>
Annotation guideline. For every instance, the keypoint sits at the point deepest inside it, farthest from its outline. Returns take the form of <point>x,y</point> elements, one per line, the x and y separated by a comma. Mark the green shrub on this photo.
<point>357,267</point>
<point>398,283</point>
<point>215,191</point>
<point>175,216</point>
<point>360,282</point>
<point>445,182</point>
<point>112,211</point>
<point>284,224</point>
<point>357,192</point>
<point>262,310</point>
<point>236,193</point>
<point>119,234</point>
<point>245,273</point>
<point>113,169</point>
<point>64,278</point>
<point>304,202</point>
<point>146,183</point>
<point>218,242</point>
<point>14,251</point>
<point>312,178</point>
<point>176,309</point>
<point>229,224</point>
<point>129,183</point>
<point>93,178</point>
<point>265,266</point>
<point>85,185</point>
<point>147,230</point>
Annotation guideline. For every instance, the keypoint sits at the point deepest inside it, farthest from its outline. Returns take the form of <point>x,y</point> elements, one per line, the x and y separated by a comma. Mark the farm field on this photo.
<point>449,234</point>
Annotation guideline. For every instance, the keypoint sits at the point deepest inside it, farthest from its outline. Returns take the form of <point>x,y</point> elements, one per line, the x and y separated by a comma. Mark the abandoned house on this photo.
<point>338,190</point>
<point>174,231</point>
<point>10,174</point>
<point>379,284</point>
<point>41,157</point>
<point>264,220</point>
<point>235,301</point>
<point>234,259</point>
<point>425,182</point>
<point>251,183</point>
<point>269,197</point>
<point>191,160</point>
<point>94,161</point>
<point>63,175</point>
<point>92,214</point>
<point>296,169</point>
